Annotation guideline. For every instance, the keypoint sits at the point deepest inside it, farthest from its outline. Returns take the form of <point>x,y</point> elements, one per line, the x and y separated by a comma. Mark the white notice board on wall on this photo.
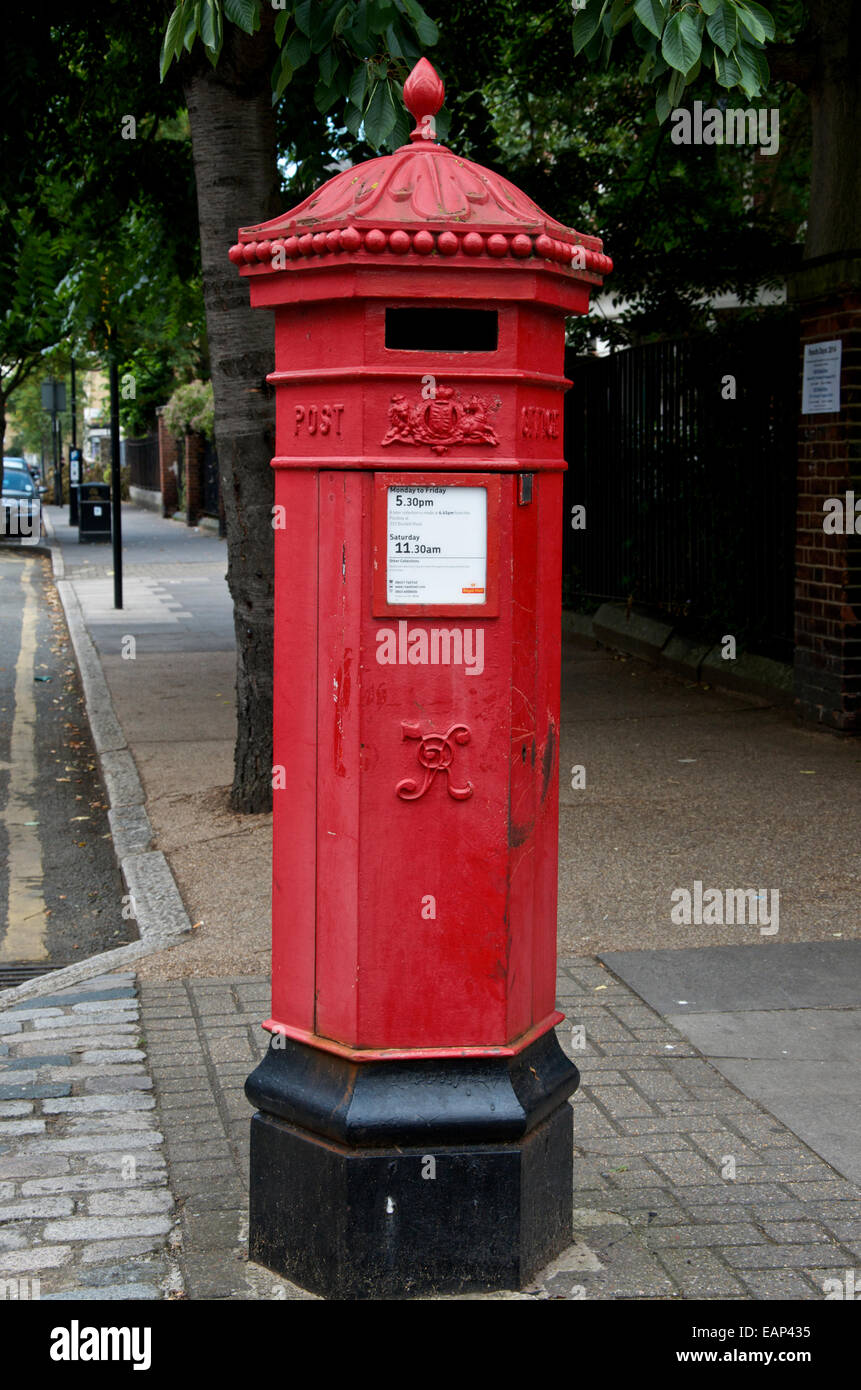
<point>820,392</point>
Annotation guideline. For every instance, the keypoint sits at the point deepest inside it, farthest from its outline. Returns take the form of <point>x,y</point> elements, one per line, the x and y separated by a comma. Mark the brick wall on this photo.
<point>167,466</point>
<point>194,445</point>
<point>828,567</point>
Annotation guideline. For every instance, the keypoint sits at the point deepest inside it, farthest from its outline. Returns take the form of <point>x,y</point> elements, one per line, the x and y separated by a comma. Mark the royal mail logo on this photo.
<point>444,420</point>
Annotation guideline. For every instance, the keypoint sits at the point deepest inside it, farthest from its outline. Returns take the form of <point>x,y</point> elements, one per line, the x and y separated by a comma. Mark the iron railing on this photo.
<point>141,455</point>
<point>690,495</point>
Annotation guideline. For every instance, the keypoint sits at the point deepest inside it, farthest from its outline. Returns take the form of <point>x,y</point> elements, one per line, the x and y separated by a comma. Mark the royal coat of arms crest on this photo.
<point>443,420</point>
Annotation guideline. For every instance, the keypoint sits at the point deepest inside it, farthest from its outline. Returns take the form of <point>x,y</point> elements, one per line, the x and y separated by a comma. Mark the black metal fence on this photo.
<point>683,454</point>
<point>141,455</point>
<point>209,490</point>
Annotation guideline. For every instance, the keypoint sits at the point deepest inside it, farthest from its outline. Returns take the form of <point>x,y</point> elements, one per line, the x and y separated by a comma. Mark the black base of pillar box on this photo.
<point>382,1180</point>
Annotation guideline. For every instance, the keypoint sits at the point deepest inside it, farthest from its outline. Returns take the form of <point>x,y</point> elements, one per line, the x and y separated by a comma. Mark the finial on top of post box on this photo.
<point>423,97</point>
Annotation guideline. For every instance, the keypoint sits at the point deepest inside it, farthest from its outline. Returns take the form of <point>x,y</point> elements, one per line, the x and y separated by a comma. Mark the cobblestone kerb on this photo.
<point>85,1208</point>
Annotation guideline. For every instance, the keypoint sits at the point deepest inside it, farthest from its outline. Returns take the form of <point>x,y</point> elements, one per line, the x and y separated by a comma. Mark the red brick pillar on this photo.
<point>194,444</point>
<point>828,565</point>
<point>167,468</point>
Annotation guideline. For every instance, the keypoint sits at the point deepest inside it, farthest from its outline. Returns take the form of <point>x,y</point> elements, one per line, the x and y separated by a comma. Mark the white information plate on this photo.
<point>436,545</point>
<point>820,391</point>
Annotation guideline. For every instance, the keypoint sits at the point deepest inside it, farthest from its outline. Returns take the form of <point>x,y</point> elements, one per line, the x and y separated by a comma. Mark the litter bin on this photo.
<point>94,512</point>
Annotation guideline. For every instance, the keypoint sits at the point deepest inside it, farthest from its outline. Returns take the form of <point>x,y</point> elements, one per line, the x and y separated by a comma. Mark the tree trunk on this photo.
<point>234,148</point>
<point>834,216</point>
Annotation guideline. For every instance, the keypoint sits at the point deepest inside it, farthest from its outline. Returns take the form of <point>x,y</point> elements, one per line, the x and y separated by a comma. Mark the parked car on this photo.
<point>20,507</point>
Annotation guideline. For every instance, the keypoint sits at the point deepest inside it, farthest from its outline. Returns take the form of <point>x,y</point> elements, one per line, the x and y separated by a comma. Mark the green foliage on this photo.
<point>29,426</point>
<point>684,225</point>
<point>359,53</point>
<point>191,408</point>
<point>98,233</point>
<point>677,39</point>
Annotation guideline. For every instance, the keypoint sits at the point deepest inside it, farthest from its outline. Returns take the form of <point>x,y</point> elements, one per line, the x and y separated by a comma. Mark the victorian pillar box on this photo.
<point>413,1131</point>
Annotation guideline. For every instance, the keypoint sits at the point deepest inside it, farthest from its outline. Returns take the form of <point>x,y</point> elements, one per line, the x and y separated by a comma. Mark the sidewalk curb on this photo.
<point>161,917</point>
<point>659,644</point>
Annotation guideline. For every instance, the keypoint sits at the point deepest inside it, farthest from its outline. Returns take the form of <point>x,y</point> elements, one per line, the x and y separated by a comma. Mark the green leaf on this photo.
<point>709,6</point>
<point>281,23</point>
<point>346,13</point>
<point>328,65</point>
<point>643,37</point>
<point>302,16</point>
<point>393,42</point>
<point>353,120</point>
<point>245,14</point>
<point>595,46</point>
<point>358,32</point>
<point>729,73</point>
<point>325,97</point>
<point>443,126</point>
<point>172,42</point>
<point>358,85</point>
<point>752,16</point>
<point>380,114</point>
<point>192,23</point>
<point>762,14</point>
<point>208,23</point>
<point>298,49</point>
<point>645,68</point>
<point>760,62</point>
<point>621,14</point>
<point>722,27</point>
<point>585,25</point>
<point>426,30</point>
<point>682,42</point>
<point>653,14</point>
<point>219,35</point>
<point>400,132</point>
<point>663,105</point>
<point>748,69</point>
<point>381,14</point>
<point>283,74</point>
<point>323,24</point>
<point>675,88</point>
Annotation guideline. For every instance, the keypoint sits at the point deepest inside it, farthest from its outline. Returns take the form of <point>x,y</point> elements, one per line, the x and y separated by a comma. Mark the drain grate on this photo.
<point>19,974</point>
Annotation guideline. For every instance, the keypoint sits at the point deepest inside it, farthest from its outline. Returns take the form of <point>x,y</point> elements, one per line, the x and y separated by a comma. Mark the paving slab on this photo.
<point>721,979</point>
<point>778,1023</point>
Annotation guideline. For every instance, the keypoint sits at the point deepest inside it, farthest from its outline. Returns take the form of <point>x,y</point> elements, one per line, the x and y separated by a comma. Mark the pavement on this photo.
<point>716,1126</point>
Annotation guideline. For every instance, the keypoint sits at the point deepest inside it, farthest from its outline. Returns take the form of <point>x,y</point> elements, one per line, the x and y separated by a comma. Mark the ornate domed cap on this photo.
<point>422,200</point>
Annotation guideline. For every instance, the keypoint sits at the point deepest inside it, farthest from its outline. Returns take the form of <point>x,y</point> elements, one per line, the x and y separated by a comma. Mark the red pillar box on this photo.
<point>412,1129</point>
